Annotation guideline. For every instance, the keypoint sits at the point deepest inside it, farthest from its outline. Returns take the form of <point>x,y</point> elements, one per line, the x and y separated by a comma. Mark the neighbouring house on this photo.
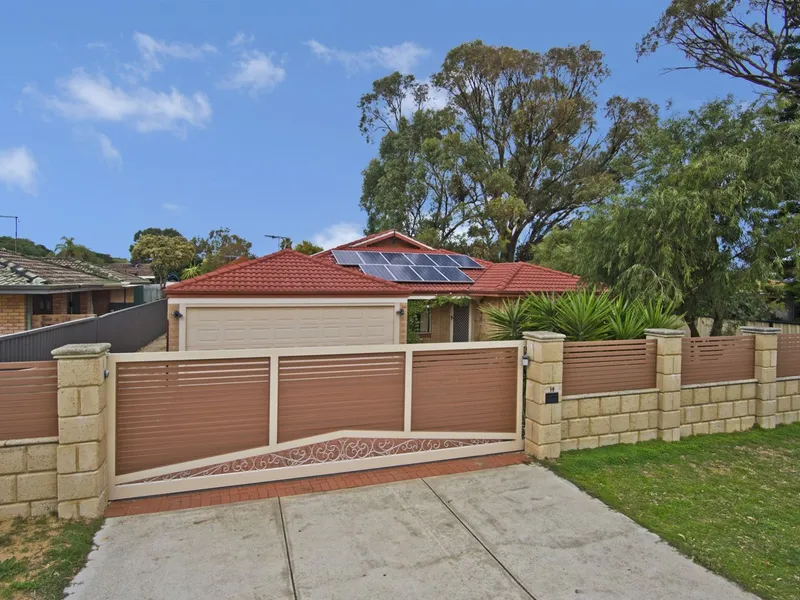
<point>36,292</point>
<point>141,270</point>
<point>134,290</point>
<point>354,294</point>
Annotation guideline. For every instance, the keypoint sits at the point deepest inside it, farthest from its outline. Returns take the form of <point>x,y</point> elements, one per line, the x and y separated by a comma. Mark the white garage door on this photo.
<point>210,328</point>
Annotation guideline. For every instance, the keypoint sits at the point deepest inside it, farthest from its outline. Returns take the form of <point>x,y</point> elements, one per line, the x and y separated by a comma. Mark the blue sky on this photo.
<point>197,115</point>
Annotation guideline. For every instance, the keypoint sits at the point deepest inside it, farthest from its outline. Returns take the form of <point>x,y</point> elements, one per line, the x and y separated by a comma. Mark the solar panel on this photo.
<point>421,259</point>
<point>379,271</point>
<point>455,275</point>
<point>373,258</point>
<point>443,260</point>
<point>429,273</point>
<point>397,258</point>
<point>403,273</point>
<point>465,262</point>
<point>347,257</point>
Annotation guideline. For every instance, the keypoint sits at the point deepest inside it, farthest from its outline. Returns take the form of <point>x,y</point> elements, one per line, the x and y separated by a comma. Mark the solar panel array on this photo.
<point>409,267</point>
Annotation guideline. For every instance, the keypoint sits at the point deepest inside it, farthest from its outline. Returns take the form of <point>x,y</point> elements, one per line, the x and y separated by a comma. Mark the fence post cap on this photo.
<point>761,330</point>
<point>543,336</point>
<point>81,350</point>
<point>665,332</point>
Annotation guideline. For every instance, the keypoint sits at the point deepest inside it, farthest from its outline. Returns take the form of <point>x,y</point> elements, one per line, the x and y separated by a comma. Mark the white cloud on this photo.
<point>153,51</point>
<point>171,207</point>
<point>18,169</point>
<point>98,46</point>
<point>107,149</point>
<point>241,39</point>
<point>402,57</point>
<point>255,72</point>
<point>84,97</point>
<point>337,234</point>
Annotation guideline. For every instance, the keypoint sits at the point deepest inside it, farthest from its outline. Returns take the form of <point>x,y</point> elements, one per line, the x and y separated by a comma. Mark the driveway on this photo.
<point>513,532</point>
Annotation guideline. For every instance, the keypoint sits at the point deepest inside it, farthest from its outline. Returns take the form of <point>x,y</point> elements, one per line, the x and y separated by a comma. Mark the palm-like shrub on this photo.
<point>585,315</point>
<point>508,321</point>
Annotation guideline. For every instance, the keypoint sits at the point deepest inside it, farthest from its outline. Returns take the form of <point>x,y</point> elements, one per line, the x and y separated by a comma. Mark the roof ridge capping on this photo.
<point>20,270</point>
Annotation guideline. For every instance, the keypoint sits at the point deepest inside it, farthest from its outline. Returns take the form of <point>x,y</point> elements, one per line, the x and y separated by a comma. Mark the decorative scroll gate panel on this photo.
<point>182,421</point>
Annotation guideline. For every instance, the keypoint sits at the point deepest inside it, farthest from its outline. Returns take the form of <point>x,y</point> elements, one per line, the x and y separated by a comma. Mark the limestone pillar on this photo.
<point>544,376</point>
<point>766,372</point>
<point>668,381</point>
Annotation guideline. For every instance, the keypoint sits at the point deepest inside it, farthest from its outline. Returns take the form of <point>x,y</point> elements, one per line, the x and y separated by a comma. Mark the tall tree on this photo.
<point>700,224</point>
<point>166,254</point>
<point>67,248</point>
<point>168,232</point>
<point>753,40</point>
<point>219,248</point>
<point>516,152</point>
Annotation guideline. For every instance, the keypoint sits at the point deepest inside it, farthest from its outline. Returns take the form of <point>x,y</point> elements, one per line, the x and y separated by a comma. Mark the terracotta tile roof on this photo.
<point>285,273</point>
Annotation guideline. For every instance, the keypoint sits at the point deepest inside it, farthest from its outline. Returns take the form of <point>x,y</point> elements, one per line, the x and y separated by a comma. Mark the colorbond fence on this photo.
<point>609,366</point>
<point>713,359</point>
<point>126,330</point>
<point>191,420</point>
<point>28,400</point>
<point>789,355</point>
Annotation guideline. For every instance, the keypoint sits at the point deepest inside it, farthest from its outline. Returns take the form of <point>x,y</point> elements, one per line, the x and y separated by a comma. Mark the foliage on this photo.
<point>705,223</point>
<point>306,247</point>
<point>513,154</point>
<point>219,248</point>
<point>444,300</point>
<point>67,248</point>
<point>584,315</point>
<point>166,254</point>
<point>414,310</point>
<point>285,243</point>
<point>191,271</point>
<point>729,501</point>
<point>45,554</point>
<point>24,246</point>
<point>753,40</point>
<point>168,232</point>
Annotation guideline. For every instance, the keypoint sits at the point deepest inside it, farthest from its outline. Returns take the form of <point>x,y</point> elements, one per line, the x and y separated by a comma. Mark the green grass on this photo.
<point>44,554</point>
<point>729,501</point>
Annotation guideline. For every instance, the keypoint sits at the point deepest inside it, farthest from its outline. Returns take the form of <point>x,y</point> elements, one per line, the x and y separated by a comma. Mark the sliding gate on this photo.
<point>183,421</point>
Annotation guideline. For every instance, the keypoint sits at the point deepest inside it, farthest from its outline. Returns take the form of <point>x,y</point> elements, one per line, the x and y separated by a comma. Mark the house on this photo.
<point>354,294</point>
<point>135,289</point>
<point>35,292</point>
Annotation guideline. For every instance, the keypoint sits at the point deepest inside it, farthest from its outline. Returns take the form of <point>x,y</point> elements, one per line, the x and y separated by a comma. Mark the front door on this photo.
<point>460,323</point>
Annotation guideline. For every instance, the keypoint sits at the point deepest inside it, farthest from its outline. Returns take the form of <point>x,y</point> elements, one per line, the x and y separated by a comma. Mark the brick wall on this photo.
<point>788,410</point>
<point>716,408</point>
<point>12,313</point>
<point>45,320</point>
<point>481,328</point>
<point>100,301</point>
<point>440,325</point>
<point>28,478</point>
<point>121,295</point>
<point>59,304</point>
<point>404,324</point>
<point>602,420</point>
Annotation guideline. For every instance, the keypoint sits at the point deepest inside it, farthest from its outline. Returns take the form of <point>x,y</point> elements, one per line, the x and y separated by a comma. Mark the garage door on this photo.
<point>287,327</point>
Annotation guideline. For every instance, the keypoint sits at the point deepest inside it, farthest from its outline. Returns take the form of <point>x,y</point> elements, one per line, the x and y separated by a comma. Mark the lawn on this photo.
<point>38,557</point>
<point>729,501</point>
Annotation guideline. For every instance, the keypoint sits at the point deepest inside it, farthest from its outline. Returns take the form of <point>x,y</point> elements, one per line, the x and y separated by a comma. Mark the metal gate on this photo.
<point>183,421</point>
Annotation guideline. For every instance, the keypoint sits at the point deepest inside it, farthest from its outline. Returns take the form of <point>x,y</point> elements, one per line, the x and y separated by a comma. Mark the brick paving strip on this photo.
<point>294,487</point>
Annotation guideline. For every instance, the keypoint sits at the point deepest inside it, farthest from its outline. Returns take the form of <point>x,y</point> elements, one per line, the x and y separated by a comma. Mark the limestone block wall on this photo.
<point>28,478</point>
<point>788,408</point>
<point>718,407</point>
<point>589,421</point>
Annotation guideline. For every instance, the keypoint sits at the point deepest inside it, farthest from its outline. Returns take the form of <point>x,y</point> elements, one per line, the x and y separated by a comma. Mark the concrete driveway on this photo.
<point>514,532</point>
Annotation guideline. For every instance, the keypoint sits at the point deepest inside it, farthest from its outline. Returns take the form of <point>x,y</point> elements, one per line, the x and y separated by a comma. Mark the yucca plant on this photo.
<point>584,315</point>
<point>627,320</point>
<point>660,314</point>
<point>192,271</point>
<point>508,321</point>
<point>541,310</point>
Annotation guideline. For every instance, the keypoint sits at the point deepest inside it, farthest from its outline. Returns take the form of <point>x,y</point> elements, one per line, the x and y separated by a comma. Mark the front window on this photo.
<point>42,305</point>
<point>425,320</point>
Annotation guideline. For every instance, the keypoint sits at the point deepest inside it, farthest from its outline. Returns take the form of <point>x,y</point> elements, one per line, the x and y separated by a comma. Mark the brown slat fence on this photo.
<point>719,358</point>
<point>320,394</point>
<point>28,400</point>
<point>175,411</point>
<point>789,355</point>
<point>609,366</point>
<point>465,390</point>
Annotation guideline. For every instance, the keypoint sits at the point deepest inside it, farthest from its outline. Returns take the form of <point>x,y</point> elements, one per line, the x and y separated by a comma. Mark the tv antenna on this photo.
<point>16,228</point>
<point>280,238</point>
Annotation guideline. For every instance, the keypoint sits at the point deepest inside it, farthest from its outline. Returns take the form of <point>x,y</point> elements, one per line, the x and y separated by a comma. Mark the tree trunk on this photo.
<point>692,323</point>
<point>510,251</point>
<point>716,326</point>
